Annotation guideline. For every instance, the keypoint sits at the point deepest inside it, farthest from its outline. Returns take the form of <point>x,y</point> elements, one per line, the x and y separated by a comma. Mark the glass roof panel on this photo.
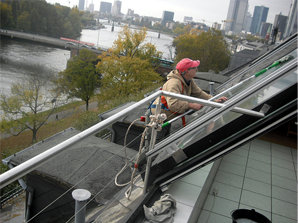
<point>250,102</point>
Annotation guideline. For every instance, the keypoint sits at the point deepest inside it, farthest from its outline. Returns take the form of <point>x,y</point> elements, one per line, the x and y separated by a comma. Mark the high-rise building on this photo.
<point>91,8</point>
<point>116,8</point>
<point>187,19</point>
<point>247,23</point>
<point>236,16</point>
<point>167,17</point>
<point>260,15</point>
<point>81,5</point>
<point>291,27</point>
<point>280,23</point>
<point>105,7</point>
<point>265,27</point>
<point>216,26</point>
<point>130,12</point>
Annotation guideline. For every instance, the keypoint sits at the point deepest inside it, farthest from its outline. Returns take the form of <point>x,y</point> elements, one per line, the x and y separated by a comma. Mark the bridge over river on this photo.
<point>55,42</point>
<point>72,45</point>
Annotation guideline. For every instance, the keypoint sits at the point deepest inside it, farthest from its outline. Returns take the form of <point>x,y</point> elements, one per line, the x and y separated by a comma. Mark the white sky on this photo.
<point>209,10</point>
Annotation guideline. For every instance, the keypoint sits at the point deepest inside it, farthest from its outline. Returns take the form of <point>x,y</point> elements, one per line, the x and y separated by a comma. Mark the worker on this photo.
<point>180,81</point>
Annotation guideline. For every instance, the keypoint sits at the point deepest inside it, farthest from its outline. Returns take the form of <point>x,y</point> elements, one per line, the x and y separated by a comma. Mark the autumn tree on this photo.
<point>6,15</point>
<point>208,47</point>
<point>80,79</point>
<point>22,107</point>
<point>24,22</point>
<point>185,29</point>
<point>129,66</point>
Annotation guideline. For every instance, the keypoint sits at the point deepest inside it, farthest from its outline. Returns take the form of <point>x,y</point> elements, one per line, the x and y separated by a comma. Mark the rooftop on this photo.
<point>221,161</point>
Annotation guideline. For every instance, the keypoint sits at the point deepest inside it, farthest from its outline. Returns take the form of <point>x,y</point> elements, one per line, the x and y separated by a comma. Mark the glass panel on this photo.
<point>251,103</point>
<point>236,89</point>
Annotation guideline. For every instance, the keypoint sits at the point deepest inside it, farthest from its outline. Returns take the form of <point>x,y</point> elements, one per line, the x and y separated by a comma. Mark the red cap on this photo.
<point>186,63</point>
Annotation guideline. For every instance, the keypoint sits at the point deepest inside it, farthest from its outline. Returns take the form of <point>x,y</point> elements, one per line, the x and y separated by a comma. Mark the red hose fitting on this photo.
<point>136,166</point>
<point>143,118</point>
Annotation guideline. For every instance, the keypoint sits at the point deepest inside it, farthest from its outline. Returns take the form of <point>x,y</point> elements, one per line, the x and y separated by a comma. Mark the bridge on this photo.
<point>73,45</point>
<point>62,43</point>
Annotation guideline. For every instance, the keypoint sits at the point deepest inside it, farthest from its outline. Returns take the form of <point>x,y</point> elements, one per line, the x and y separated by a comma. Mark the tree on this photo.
<point>75,20</point>
<point>41,17</point>
<point>6,18</point>
<point>129,66</point>
<point>80,79</point>
<point>24,21</point>
<point>22,107</point>
<point>179,31</point>
<point>208,47</point>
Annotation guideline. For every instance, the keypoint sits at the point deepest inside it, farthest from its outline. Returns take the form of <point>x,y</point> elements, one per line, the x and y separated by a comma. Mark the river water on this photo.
<point>18,58</point>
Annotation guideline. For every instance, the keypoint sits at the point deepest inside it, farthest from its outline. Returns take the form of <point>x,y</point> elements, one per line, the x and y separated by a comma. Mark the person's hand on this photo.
<point>195,106</point>
<point>221,100</point>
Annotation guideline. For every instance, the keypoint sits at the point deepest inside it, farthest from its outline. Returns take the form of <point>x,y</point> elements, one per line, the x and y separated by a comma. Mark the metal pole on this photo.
<point>213,104</point>
<point>151,146</point>
<point>211,88</point>
<point>81,196</point>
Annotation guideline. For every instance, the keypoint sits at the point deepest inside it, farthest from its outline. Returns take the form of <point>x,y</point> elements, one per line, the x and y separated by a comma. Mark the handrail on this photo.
<point>213,104</point>
<point>31,164</point>
<point>28,166</point>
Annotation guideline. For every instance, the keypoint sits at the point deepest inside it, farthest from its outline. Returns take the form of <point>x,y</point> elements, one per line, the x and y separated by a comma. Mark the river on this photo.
<point>18,58</point>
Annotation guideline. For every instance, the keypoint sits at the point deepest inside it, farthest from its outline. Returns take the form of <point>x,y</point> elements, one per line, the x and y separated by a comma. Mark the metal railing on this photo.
<point>28,166</point>
<point>10,195</point>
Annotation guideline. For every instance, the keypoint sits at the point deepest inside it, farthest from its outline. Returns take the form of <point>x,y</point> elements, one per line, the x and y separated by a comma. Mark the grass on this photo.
<point>14,144</point>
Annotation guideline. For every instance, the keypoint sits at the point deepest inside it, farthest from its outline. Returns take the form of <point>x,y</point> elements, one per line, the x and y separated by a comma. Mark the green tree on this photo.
<point>75,21</point>
<point>80,79</point>
<point>43,18</point>
<point>87,19</point>
<point>129,67</point>
<point>35,21</point>
<point>208,47</point>
<point>24,22</point>
<point>179,31</point>
<point>22,107</point>
<point>6,16</point>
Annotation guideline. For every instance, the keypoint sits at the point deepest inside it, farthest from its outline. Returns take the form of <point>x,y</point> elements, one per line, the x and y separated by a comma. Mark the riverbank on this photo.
<point>63,119</point>
<point>57,122</point>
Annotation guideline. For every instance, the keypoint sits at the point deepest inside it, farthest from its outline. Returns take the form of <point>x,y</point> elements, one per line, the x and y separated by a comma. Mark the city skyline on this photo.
<point>207,11</point>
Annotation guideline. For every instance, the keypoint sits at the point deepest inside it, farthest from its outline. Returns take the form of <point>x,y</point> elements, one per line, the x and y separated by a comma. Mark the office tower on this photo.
<point>167,17</point>
<point>91,7</point>
<point>187,19</point>
<point>105,7</point>
<point>264,29</point>
<point>81,5</point>
<point>130,12</point>
<point>280,23</point>
<point>260,15</point>
<point>216,26</point>
<point>236,16</point>
<point>116,8</point>
<point>291,26</point>
<point>247,23</point>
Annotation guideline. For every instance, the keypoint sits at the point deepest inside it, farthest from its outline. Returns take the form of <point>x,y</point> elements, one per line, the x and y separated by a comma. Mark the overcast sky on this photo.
<point>209,10</point>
